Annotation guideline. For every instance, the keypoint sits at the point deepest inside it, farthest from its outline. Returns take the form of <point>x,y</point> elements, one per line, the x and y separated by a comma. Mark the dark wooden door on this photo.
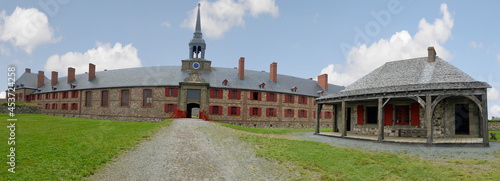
<point>461,119</point>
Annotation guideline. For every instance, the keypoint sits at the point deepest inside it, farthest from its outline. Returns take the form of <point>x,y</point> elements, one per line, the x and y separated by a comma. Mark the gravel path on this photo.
<point>413,150</point>
<point>193,150</point>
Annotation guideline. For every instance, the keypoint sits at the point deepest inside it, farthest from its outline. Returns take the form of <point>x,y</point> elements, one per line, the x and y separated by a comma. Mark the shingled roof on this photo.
<point>411,75</point>
<point>172,75</point>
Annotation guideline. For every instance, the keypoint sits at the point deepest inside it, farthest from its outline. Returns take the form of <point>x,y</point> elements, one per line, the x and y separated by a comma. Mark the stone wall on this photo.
<point>112,118</point>
<point>272,124</point>
<point>22,110</point>
<point>494,126</point>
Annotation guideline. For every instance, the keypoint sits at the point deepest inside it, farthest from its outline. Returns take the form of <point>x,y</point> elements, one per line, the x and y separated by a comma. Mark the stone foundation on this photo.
<point>112,118</point>
<point>278,124</point>
<point>22,110</point>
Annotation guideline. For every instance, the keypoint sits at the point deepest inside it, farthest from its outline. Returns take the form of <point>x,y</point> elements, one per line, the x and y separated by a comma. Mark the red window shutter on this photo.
<point>166,92</point>
<point>229,109</point>
<point>305,114</point>
<point>267,112</point>
<point>220,110</point>
<point>251,111</point>
<point>388,115</point>
<point>76,94</point>
<point>220,93</point>
<point>166,107</point>
<point>415,114</point>
<point>260,111</point>
<point>239,94</point>
<point>229,94</point>
<point>175,92</point>
<point>267,97</point>
<point>211,94</point>
<point>293,99</point>
<point>210,109</point>
<point>238,110</point>
<point>360,115</point>
<point>260,96</point>
<point>314,115</point>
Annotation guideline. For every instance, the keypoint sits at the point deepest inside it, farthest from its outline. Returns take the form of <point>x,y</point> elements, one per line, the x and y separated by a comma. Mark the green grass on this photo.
<point>269,130</point>
<point>497,136</point>
<point>316,160</point>
<point>494,120</point>
<point>59,148</point>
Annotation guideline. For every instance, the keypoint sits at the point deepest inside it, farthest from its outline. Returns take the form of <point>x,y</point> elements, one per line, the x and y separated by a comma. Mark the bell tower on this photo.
<point>197,48</point>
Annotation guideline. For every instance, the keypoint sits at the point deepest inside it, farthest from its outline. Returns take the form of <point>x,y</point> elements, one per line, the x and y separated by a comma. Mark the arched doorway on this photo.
<point>190,108</point>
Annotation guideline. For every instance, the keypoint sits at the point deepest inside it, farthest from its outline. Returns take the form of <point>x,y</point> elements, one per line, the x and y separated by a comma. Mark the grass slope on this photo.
<point>60,148</point>
<point>321,161</point>
<point>269,130</point>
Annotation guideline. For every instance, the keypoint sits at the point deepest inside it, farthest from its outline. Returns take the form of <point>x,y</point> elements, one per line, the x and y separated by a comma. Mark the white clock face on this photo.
<point>196,65</point>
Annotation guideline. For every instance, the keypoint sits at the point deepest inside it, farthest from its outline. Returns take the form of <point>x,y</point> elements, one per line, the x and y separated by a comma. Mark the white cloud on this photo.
<point>473,44</point>
<point>493,94</point>
<point>363,59</point>
<point>26,29</point>
<point>104,56</point>
<point>494,111</point>
<point>5,51</point>
<point>3,95</point>
<point>166,24</point>
<point>220,16</point>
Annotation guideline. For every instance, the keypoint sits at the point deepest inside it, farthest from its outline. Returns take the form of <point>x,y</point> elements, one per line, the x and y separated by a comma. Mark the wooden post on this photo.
<point>380,120</point>
<point>335,118</point>
<point>428,118</point>
<point>344,121</point>
<point>318,112</point>
<point>484,119</point>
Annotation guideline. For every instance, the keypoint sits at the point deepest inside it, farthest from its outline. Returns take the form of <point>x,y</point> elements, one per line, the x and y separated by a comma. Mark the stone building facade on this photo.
<point>151,94</point>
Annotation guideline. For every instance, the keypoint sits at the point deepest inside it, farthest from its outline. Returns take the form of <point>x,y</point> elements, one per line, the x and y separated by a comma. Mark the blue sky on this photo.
<point>346,39</point>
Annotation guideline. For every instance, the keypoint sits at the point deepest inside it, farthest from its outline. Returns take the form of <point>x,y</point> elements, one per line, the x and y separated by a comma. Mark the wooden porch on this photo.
<point>393,139</point>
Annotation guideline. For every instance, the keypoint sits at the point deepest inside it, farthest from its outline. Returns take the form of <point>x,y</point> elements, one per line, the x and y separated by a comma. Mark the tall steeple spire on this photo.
<point>197,44</point>
<point>197,30</point>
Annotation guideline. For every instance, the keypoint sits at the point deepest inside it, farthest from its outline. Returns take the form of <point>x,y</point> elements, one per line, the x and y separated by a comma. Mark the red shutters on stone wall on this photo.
<point>215,110</point>
<point>388,115</point>
<point>360,115</point>
<point>233,111</point>
<point>213,93</point>
<point>415,114</point>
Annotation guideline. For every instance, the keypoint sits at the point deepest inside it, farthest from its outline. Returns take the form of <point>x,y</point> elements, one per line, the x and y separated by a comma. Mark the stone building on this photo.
<point>421,97</point>
<point>232,95</point>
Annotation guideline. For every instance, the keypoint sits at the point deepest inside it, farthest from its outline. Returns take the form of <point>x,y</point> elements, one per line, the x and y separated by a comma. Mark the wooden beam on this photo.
<point>344,121</point>
<point>387,101</point>
<point>380,120</point>
<point>318,113</point>
<point>428,118</point>
<point>484,119</point>
<point>335,117</point>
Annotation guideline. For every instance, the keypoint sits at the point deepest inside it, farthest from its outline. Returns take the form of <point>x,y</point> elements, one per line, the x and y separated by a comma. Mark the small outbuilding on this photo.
<point>421,100</point>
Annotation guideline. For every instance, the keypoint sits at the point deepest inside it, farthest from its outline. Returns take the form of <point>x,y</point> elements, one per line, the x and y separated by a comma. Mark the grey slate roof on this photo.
<point>30,80</point>
<point>172,75</point>
<point>411,75</point>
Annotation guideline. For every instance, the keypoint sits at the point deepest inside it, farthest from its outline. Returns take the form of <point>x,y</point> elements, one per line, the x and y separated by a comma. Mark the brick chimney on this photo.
<point>323,81</point>
<point>274,72</point>
<point>432,54</point>
<point>41,79</point>
<point>28,70</point>
<point>91,71</point>
<point>53,79</point>
<point>71,74</point>
<point>241,68</point>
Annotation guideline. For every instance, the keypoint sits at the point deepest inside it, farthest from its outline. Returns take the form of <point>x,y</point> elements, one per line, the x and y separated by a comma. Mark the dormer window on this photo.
<point>294,89</point>
<point>72,86</point>
<point>224,83</point>
<point>17,86</point>
<point>262,86</point>
<point>320,93</point>
<point>22,85</point>
<point>54,88</point>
